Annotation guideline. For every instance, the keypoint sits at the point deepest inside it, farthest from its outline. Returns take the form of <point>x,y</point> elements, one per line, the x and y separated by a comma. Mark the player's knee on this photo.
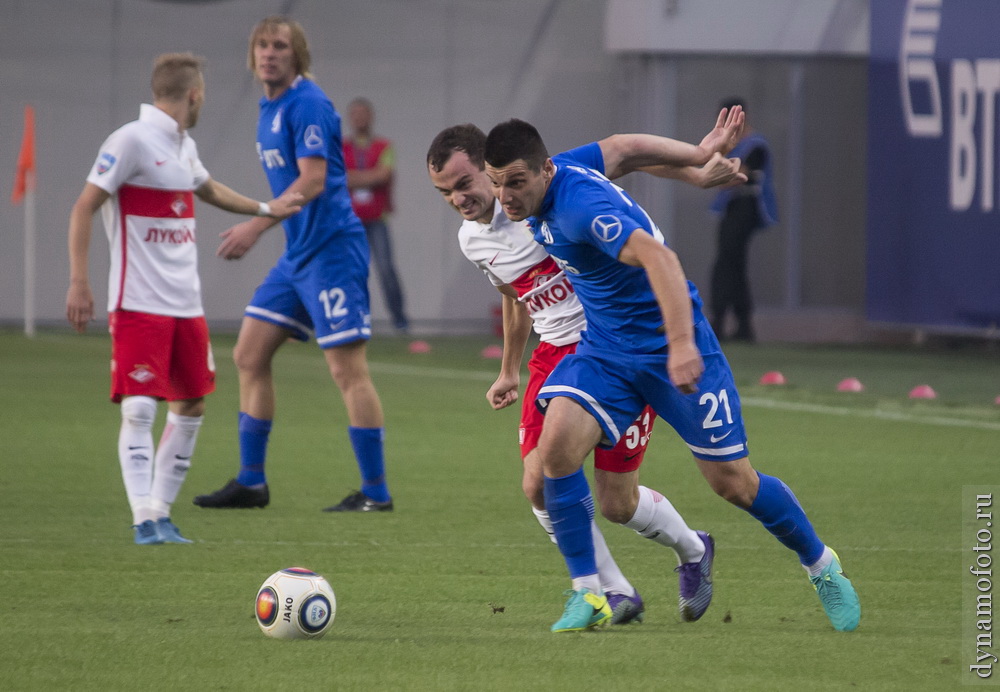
<point>348,366</point>
<point>349,378</point>
<point>139,411</point>
<point>534,490</point>
<point>342,375</point>
<point>734,481</point>
<point>247,360</point>
<point>555,456</point>
<point>735,490</point>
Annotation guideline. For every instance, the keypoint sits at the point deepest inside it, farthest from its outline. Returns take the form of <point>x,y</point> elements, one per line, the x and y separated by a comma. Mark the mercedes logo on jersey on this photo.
<point>606,227</point>
<point>313,138</point>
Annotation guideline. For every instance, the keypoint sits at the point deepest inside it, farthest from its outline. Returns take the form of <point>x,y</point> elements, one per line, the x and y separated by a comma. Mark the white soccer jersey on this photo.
<point>507,254</point>
<point>151,171</point>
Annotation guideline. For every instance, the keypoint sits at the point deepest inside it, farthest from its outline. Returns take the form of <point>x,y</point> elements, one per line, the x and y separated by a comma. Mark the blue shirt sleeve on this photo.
<point>315,127</point>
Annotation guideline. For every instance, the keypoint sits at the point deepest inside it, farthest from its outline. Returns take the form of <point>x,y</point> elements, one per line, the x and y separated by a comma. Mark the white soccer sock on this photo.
<point>655,518</point>
<point>543,518</point>
<point>612,579</point>
<point>173,459</point>
<point>591,582</point>
<point>816,568</point>
<point>135,453</point>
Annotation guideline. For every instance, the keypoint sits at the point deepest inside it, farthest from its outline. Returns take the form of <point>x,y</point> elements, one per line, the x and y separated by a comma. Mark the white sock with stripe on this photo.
<point>173,459</point>
<point>135,453</point>
<point>656,518</point>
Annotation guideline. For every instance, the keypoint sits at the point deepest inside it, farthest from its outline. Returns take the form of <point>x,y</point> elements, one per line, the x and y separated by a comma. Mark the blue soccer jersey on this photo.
<point>584,222</point>
<point>620,365</point>
<point>302,122</point>
<point>321,282</point>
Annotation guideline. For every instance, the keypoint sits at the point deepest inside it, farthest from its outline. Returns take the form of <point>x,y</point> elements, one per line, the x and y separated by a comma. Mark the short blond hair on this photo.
<point>300,47</point>
<point>174,74</point>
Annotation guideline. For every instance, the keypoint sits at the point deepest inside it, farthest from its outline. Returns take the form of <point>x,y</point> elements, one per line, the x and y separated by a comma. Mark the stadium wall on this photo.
<point>427,64</point>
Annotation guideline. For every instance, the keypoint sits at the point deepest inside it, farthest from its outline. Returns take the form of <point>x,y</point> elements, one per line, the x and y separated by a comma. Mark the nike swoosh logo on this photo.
<point>160,163</point>
<point>137,447</point>
<point>494,259</point>
<point>715,439</point>
<point>178,456</point>
<point>630,457</point>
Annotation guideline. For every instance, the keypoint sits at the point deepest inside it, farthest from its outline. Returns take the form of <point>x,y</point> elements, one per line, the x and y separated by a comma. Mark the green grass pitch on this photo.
<point>457,588</point>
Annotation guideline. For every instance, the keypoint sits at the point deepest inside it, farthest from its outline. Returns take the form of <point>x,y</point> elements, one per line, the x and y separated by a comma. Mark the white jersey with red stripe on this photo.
<point>508,254</point>
<point>151,171</point>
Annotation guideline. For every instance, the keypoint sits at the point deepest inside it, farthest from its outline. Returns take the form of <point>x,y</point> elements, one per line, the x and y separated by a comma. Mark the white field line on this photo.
<point>899,416</point>
<point>753,402</point>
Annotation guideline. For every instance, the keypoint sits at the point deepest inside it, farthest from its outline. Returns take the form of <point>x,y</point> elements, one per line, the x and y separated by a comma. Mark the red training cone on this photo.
<point>773,377</point>
<point>923,391</point>
<point>851,384</point>
<point>492,351</point>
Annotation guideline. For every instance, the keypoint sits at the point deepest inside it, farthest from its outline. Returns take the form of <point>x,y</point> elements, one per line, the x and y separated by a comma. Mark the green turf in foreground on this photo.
<point>420,590</point>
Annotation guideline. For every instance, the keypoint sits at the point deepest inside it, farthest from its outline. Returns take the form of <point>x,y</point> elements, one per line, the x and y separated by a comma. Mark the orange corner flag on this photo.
<point>24,181</point>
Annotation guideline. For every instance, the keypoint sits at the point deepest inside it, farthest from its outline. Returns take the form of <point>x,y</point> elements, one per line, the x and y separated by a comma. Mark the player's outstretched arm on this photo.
<point>237,240</point>
<point>224,197</point>
<point>79,298</point>
<point>625,153</point>
<point>719,171</point>
<point>516,330</point>
<point>666,278</point>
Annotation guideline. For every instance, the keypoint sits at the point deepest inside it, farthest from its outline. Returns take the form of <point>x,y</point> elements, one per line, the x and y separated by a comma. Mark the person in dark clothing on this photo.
<point>745,209</point>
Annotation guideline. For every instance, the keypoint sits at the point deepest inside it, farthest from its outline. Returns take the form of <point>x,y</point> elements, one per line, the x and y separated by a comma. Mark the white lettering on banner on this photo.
<point>916,64</point>
<point>975,81</point>
<point>970,80</point>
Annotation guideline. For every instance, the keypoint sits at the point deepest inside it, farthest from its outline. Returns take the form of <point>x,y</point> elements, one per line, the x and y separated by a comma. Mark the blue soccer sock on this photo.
<point>777,508</point>
<point>368,450</point>
<point>254,433</point>
<point>571,509</point>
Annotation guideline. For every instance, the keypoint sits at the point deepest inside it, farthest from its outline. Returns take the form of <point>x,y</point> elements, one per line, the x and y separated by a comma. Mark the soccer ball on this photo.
<point>295,603</point>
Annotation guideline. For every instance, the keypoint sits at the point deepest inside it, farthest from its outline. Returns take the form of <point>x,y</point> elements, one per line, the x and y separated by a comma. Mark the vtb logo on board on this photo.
<point>975,85</point>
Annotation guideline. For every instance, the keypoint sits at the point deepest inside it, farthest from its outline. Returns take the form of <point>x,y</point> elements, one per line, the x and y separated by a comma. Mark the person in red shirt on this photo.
<point>370,162</point>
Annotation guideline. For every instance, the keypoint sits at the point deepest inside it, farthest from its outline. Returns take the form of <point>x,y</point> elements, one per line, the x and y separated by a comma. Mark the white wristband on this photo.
<point>264,209</point>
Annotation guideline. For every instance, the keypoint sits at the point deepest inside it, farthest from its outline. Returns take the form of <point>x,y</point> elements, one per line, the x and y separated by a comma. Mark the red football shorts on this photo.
<point>160,356</point>
<point>626,456</point>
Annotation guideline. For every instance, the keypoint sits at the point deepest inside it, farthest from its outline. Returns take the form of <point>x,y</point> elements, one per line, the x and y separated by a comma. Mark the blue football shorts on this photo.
<point>614,387</point>
<point>328,296</point>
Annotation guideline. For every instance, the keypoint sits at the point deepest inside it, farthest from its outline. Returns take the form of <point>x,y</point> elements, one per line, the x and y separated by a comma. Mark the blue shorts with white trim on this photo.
<point>614,387</point>
<point>329,295</point>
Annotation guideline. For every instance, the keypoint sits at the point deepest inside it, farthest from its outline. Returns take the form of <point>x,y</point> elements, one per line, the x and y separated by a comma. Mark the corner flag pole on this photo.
<point>24,189</point>
<point>29,260</point>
